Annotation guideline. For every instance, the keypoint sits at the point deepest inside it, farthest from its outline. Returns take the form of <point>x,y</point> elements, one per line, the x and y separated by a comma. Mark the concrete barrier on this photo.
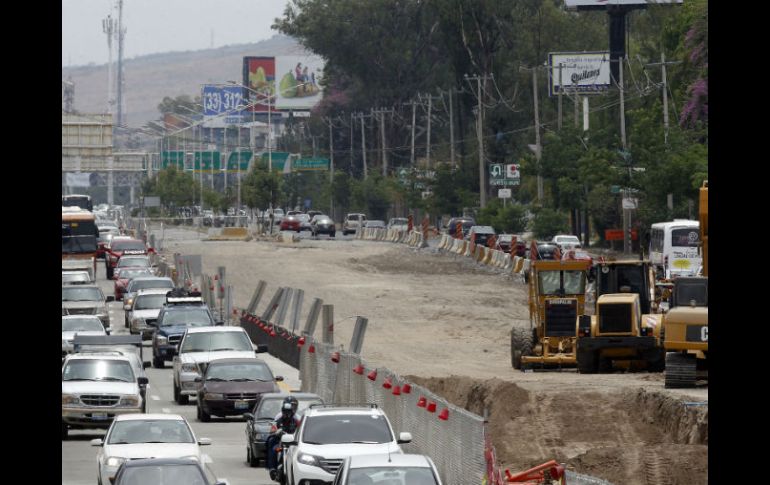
<point>507,261</point>
<point>228,234</point>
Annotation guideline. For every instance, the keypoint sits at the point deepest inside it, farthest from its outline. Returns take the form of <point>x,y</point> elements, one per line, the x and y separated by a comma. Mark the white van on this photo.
<point>674,248</point>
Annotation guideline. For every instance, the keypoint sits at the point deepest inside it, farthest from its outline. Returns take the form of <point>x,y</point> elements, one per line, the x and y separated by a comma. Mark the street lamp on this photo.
<point>200,143</point>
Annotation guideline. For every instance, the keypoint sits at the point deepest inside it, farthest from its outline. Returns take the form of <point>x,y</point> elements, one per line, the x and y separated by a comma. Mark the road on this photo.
<point>227,454</point>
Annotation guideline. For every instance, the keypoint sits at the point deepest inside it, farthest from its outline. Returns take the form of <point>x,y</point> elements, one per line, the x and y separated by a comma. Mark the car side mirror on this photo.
<point>97,442</point>
<point>110,298</point>
<point>249,416</point>
<point>279,378</point>
<point>107,330</point>
<point>261,348</point>
<point>142,381</point>
<point>288,440</point>
<point>146,364</point>
<point>198,379</point>
<point>204,441</point>
<point>404,438</point>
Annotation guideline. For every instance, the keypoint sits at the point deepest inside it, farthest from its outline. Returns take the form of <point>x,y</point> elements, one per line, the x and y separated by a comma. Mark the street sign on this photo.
<point>496,170</point>
<point>617,234</point>
<point>512,171</point>
<point>614,189</point>
<point>222,99</point>
<point>309,164</point>
<point>151,201</point>
<point>630,203</point>
<point>504,193</point>
<point>505,175</point>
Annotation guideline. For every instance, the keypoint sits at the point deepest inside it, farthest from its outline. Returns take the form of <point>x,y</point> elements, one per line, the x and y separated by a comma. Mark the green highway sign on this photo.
<point>504,175</point>
<point>303,164</point>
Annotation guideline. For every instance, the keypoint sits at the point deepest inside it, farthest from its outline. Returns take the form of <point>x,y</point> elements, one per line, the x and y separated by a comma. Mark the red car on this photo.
<point>124,275</point>
<point>290,223</point>
<point>120,247</point>
<point>577,255</point>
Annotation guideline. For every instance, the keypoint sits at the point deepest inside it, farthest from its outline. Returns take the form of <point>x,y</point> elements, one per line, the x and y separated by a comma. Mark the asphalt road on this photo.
<point>226,456</point>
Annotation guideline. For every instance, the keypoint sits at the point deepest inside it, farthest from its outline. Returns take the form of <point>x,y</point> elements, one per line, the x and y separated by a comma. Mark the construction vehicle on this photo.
<point>556,298</point>
<point>686,323</point>
<point>621,330</point>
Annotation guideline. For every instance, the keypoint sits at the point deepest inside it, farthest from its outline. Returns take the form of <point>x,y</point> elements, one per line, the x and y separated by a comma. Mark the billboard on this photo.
<point>581,72</point>
<point>299,81</point>
<point>603,4</point>
<point>218,100</point>
<point>259,76</point>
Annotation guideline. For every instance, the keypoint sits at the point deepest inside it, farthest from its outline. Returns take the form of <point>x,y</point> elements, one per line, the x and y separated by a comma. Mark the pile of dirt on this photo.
<point>639,438</point>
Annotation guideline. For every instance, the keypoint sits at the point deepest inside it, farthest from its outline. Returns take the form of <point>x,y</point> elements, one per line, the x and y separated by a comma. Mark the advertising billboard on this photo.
<point>603,4</point>
<point>581,72</point>
<point>220,100</point>
<point>259,76</point>
<point>299,81</point>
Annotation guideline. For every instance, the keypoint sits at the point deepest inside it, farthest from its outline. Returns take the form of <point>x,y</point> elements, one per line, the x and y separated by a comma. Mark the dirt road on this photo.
<point>433,317</point>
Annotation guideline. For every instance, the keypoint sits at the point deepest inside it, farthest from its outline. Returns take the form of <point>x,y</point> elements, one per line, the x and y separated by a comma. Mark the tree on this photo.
<point>261,189</point>
<point>548,223</point>
<point>174,187</point>
<point>510,218</point>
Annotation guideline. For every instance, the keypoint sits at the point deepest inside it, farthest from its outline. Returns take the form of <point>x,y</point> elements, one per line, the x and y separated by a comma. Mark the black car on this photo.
<point>260,420</point>
<point>467,223</point>
<point>547,251</point>
<point>164,471</point>
<point>323,225</point>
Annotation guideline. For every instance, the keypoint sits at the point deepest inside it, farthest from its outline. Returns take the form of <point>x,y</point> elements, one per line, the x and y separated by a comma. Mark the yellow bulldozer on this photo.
<point>686,322</point>
<point>556,298</point>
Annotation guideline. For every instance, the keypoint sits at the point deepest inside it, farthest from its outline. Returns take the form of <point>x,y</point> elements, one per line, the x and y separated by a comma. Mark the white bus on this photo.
<point>674,248</point>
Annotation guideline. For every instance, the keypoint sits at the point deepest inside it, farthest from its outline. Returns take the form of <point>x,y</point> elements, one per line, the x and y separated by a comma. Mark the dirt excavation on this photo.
<point>445,323</point>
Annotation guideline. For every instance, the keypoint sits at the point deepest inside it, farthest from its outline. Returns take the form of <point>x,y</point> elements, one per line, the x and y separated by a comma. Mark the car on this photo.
<point>481,234</point>
<point>374,224</point>
<point>72,325</point>
<point>577,255</point>
<point>198,347</point>
<point>106,233</point>
<point>293,213</point>
<point>229,387</point>
<point>388,468</point>
<point>75,277</point>
<point>323,225</point>
<point>140,436</point>
<point>85,300</point>
<point>260,419</point>
<point>567,241</point>
<point>311,214</point>
<point>352,222</point>
<point>546,250</point>
<point>143,314</point>
<point>145,283</point>
<point>504,242</point>
<point>123,275</point>
<point>304,222</point>
<point>290,223</point>
<point>328,434</point>
<point>399,223</point>
<point>118,248</point>
<point>520,247</point>
<point>97,388</point>
<point>133,262</point>
<point>176,316</point>
<point>466,224</point>
<point>165,471</point>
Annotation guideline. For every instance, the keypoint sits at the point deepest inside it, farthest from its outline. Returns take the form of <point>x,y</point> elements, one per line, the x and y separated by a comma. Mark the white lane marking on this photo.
<point>166,410</point>
<point>155,398</point>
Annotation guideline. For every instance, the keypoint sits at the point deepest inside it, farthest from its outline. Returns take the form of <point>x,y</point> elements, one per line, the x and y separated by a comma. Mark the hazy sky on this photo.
<point>154,26</point>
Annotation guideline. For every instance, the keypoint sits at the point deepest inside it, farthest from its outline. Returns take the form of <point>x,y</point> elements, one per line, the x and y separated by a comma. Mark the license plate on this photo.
<point>241,404</point>
<point>98,416</point>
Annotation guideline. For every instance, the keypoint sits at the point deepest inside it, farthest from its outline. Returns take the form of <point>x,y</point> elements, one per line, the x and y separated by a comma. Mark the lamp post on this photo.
<point>200,142</point>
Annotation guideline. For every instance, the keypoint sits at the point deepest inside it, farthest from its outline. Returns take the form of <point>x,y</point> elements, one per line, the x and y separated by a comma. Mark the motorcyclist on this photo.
<point>285,422</point>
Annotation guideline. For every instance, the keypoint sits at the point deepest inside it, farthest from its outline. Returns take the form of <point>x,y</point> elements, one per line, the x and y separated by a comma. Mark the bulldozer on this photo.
<point>621,330</point>
<point>686,324</point>
<point>556,298</point>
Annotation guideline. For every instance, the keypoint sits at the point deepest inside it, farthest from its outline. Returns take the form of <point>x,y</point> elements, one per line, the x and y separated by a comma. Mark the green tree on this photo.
<point>174,187</point>
<point>510,218</point>
<point>260,189</point>
<point>548,223</point>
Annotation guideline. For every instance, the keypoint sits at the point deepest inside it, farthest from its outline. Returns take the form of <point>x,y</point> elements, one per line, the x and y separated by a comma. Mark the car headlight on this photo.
<point>190,368</point>
<point>262,436</point>
<point>161,340</point>
<point>129,302</point>
<point>69,399</point>
<point>307,459</point>
<point>213,396</point>
<point>129,401</point>
<point>114,461</point>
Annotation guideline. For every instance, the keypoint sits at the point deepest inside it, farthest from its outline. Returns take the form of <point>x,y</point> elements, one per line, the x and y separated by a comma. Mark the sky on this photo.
<point>155,26</point>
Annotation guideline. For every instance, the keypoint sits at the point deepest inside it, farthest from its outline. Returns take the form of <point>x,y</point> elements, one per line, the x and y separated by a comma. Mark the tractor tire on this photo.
<point>587,362</point>
<point>521,345</point>
<point>680,370</point>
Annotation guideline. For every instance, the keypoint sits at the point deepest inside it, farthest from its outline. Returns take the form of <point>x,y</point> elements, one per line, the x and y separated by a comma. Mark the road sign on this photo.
<point>222,99</point>
<point>504,193</point>
<point>150,201</point>
<point>617,234</point>
<point>496,170</point>
<point>303,164</point>
<point>630,203</point>
<point>504,175</point>
<point>512,171</point>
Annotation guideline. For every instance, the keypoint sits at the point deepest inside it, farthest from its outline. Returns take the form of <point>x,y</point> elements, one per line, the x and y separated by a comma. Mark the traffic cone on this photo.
<point>444,414</point>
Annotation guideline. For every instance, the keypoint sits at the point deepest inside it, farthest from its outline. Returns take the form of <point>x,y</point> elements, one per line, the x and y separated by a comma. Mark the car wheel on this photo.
<point>251,458</point>
<point>109,272</point>
<point>158,363</point>
<point>332,235</point>
<point>180,398</point>
<point>125,322</point>
<point>64,431</point>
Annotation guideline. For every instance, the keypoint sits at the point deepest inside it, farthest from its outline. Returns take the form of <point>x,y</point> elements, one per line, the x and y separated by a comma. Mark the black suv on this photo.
<point>547,250</point>
<point>174,318</point>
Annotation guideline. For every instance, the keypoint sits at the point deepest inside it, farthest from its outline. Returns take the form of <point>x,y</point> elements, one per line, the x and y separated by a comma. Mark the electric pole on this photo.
<point>561,89</point>
<point>427,144</point>
<point>383,146</point>
<point>363,141</point>
<point>451,130</point>
<point>479,131</point>
<point>331,167</point>
<point>414,113</point>
<point>121,81</point>
<point>109,28</point>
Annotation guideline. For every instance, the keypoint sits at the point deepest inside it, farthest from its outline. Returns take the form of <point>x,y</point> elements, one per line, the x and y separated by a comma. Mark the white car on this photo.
<point>95,389</point>
<point>72,325</point>
<point>75,278</point>
<point>567,242</point>
<point>198,347</point>
<point>137,436</point>
<point>409,469</point>
<point>328,435</point>
<point>144,310</point>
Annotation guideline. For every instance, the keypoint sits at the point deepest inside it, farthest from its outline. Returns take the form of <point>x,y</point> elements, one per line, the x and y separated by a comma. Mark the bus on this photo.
<point>77,200</point>
<point>78,240</point>
<point>674,248</point>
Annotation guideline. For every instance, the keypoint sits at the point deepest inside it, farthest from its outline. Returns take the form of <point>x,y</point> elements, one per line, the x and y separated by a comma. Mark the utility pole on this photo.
<point>331,167</point>
<point>561,89</point>
<point>538,148</point>
<point>352,122</point>
<point>121,34</point>
<point>383,146</point>
<point>626,194</point>
<point>665,97</point>
<point>479,131</point>
<point>427,144</point>
<point>363,142</point>
<point>414,120</point>
<point>109,27</point>
<point>451,130</point>
<point>622,105</point>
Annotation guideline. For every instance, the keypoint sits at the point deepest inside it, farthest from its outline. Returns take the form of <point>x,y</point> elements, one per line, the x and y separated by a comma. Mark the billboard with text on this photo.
<point>259,77</point>
<point>581,72</point>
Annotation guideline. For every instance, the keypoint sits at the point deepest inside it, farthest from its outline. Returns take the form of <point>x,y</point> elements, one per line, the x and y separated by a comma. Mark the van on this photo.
<point>352,222</point>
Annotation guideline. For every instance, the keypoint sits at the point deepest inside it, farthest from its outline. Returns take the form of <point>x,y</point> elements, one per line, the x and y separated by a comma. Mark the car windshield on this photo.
<point>81,325</point>
<point>346,428</point>
<point>568,239</point>
<point>75,293</point>
<point>149,302</point>
<point>685,237</point>
<point>303,217</point>
<point>192,317</point>
<point>137,285</point>
<point>214,341</point>
<point>150,431</point>
<point>163,475</point>
<point>133,273</point>
<point>322,220</point>
<point>398,221</point>
<point>258,371</point>
<point>128,246</point>
<point>269,408</point>
<point>126,261</point>
<point>75,277</point>
<point>550,282</point>
<point>97,370</point>
<point>391,474</point>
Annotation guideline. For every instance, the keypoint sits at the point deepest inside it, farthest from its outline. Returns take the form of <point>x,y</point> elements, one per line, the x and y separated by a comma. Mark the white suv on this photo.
<point>352,223</point>
<point>567,242</point>
<point>329,434</point>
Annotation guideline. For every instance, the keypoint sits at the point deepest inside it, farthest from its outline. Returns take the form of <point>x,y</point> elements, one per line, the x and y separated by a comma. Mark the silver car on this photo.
<point>85,300</point>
